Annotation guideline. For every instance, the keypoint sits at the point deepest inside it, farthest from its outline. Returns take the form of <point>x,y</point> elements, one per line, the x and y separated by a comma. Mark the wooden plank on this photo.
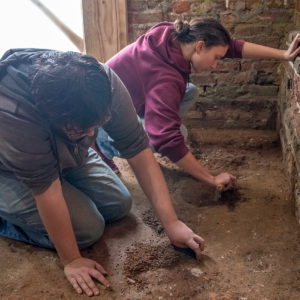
<point>75,39</point>
<point>104,27</point>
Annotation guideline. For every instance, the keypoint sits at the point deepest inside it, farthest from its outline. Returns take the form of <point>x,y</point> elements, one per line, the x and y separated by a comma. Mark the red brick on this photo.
<point>136,5</point>
<point>261,90</point>
<point>203,78</point>
<point>276,17</point>
<point>134,33</point>
<point>228,18</point>
<point>237,5</point>
<point>232,77</point>
<point>180,7</point>
<point>246,65</point>
<point>201,7</point>
<point>224,77</point>
<point>275,3</point>
<point>153,3</point>
<point>297,84</point>
<point>265,65</point>
<point>273,42</point>
<point>254,4</point>
<point>219,5</point>
<point>228,65</point>
<point>172,17</point>
<point>298,5</point>
<point>243,77</point>
<point>297,18</point>
<point>145,17</point>
<point>250,29</point>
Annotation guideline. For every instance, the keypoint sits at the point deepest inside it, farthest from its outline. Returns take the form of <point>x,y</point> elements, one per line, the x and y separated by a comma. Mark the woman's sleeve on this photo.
<point>162,121</point>
<point>235,49</point>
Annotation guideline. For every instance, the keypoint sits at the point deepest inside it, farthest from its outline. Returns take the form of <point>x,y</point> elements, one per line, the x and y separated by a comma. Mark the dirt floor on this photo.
<point>253,240</point>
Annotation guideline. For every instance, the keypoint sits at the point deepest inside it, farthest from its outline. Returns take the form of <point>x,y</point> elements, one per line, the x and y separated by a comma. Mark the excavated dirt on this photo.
<point>252,238</point>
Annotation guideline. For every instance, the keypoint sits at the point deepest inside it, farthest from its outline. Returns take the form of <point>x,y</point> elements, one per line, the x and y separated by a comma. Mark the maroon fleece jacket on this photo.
<point>155,73</point>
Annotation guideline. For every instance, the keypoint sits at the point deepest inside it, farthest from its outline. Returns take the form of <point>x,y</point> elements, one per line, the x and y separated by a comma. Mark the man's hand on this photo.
<point>80,272</point>
<point>225,180</point>
<point>55,215</point>
<point>182,236</point>
<point>294,49</point>
<point>151,180</point>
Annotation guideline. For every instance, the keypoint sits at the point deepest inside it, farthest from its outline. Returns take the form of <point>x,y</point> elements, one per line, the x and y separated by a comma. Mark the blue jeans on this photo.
<point>94,195</point>
<point>104,141</point>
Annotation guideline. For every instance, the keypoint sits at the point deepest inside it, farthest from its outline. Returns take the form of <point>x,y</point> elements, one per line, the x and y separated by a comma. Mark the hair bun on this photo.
<point>182,27</point>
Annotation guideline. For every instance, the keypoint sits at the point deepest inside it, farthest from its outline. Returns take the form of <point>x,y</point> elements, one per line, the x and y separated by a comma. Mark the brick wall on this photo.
<point>289,119</point>
<point>261,21</point>
<point>289,127</point>
<point>297,13</point>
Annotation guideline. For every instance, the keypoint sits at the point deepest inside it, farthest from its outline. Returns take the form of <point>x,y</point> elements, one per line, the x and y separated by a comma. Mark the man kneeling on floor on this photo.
<point>55,191</point>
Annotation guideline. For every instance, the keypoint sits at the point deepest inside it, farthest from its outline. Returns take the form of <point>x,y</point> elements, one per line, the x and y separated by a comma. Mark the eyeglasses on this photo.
<point>75,133</point>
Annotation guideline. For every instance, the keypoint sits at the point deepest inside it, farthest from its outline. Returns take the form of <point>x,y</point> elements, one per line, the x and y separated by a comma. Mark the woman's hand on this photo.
<point>225,181</point>
<point>80,272</point>
<point>294,49</point>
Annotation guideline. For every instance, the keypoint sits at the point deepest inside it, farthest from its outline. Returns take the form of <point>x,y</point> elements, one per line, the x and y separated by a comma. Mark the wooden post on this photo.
<point>104,27</point>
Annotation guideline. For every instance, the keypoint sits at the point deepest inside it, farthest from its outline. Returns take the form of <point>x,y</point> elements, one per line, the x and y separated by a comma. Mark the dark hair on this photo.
<point>71,89</point>
<point>208,30</point>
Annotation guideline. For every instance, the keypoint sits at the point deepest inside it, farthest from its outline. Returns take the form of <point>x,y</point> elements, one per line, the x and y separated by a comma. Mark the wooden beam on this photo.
<point>75,39</point>
<point>104,27</point>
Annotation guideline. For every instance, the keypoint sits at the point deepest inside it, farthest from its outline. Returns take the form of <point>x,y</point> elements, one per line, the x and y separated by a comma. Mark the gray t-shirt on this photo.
<point>128,134</point>
<point>37,154</point>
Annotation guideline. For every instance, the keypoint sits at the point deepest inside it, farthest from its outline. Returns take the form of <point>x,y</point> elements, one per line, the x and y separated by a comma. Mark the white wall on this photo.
<point>23,24</point>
